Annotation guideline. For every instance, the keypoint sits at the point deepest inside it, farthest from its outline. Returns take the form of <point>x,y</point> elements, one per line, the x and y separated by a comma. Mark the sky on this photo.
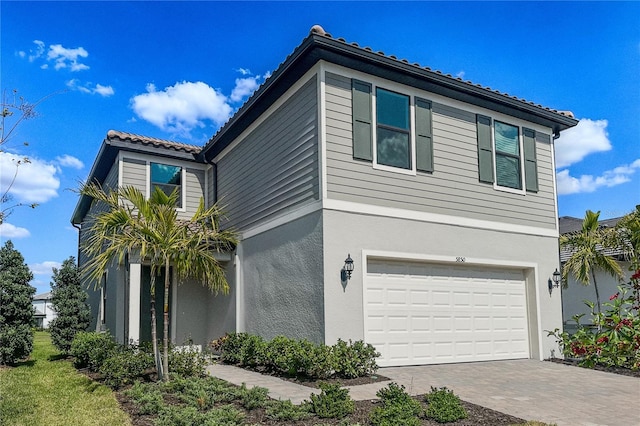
<point>179,70</point>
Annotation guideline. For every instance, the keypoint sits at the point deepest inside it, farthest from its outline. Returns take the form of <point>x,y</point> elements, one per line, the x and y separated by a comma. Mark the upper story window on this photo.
<point>504,152</point>
<point>168,178</point>
<point>393,130</point>
<point>398,136</point>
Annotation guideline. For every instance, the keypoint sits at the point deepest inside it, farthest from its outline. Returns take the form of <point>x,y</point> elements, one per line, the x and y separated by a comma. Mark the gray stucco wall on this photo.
<point>202,315</point>
<point>283,286</point>
<point>350,233</point>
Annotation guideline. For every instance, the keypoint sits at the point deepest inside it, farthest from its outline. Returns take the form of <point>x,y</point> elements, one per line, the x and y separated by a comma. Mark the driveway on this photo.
<point>529,389</point>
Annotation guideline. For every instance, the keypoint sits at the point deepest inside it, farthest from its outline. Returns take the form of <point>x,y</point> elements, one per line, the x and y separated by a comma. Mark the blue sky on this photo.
<point>133,66</point>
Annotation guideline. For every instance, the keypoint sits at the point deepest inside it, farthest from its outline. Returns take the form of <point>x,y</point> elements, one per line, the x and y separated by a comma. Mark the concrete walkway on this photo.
<point>532,390</point>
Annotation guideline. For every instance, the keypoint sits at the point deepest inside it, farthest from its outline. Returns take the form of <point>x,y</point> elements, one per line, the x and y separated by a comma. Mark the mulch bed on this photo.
<point>614,370</point>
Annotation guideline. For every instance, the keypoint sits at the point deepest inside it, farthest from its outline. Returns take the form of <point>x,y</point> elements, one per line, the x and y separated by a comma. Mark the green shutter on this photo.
<point>362,120</point>
<point>530,161</point>
<point>485,150</point>
<point>424,136</point>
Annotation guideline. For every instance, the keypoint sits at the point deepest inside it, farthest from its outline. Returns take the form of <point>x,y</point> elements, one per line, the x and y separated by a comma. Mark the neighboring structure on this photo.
<point>43,310</point>
<point>575,294</point>
<point>441,191</point>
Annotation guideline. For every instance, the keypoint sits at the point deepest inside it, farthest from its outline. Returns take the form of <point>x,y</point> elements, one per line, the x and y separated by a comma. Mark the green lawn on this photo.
<point>47,391</point>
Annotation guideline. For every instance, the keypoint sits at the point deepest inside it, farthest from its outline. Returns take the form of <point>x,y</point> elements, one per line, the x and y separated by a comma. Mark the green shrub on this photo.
<point>203,393</point>
<point>188,361</point>
<point>124,365</point>
<point>253,398</point>
<point>189,416</point>
<point>252,351</point>
<point>90,349</point>
<point>398,408</point>
<point>444,406</point>
<point>355,359</point>
<point>333,402</point>
<point>230,347</point>
<point>321,362</point>
<point>286,411</point>
<point>147,397</point>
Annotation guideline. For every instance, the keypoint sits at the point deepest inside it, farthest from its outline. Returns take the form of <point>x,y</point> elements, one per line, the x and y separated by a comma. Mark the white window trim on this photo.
<point>412,132</point>
<point>183,177</point>
<point>497,187</point>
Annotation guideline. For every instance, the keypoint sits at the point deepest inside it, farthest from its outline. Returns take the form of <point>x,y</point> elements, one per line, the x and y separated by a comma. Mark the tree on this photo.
<point>15,109</point>
<point>149,228</point>
<point>588,254</point>
<point>16,309</point>
<point>69,302</point>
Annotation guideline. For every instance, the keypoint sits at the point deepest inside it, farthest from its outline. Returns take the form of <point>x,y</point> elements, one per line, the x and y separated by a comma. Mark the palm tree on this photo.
<point>587,247</point>
<point>129,223</point>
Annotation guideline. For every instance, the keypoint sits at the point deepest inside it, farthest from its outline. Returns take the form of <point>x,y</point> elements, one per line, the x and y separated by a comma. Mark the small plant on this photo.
<point>253,398</point>
<point>188,416</point>
<point>398,408</point>
<point>251,351</point>
<point>188,361</point>
<point>147,397</point>
<point>355,359</point>
<point>444,406</point>
<point>90,349</point>
<point>230,346</point>
<point>285,411</point>
<point>124,365</point>
<point>333,402</point>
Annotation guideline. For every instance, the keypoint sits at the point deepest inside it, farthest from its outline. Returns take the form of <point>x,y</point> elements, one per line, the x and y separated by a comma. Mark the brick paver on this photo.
<point>532,390</point>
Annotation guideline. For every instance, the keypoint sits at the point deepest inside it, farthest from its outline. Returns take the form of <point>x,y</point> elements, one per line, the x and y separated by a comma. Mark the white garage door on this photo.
<point>418,313</point>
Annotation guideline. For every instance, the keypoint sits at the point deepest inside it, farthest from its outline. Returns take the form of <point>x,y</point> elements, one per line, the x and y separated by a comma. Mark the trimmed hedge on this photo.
<point>298,357</point>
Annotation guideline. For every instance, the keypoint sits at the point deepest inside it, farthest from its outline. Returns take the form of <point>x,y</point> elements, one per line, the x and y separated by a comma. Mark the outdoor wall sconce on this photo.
<point>556,281</point>
<point>348,266</point>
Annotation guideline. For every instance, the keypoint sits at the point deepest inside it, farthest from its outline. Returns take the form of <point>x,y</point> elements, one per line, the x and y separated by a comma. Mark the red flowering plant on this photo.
<point>612,337</point>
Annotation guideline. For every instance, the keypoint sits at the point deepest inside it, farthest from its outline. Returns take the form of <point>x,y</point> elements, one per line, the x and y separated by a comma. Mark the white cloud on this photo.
<point>460,74</point>
<point>244,71</point>
<point>244,88</point>
<point>69,161</point>
<point>67,58</point>
<point>75,84</point>
<point>8,230</point>
<point>182,107</point>
<point>568,184</point>
<point>44,268</point>
<point>37,52</point>
<point>35,181</point>
<point>574,144</point>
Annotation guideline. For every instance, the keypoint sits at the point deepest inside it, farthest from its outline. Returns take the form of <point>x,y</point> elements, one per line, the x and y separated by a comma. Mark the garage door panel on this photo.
<point>424,313</point>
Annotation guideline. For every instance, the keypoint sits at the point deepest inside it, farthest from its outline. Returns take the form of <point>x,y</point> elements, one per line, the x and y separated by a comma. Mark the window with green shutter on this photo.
<point>384,134</point>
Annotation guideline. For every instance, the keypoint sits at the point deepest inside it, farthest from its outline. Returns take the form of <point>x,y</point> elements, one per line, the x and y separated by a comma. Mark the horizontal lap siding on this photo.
<point>195,191</point>
<point>134,173</point>
<point>452,189</point>
<point>275,168</point>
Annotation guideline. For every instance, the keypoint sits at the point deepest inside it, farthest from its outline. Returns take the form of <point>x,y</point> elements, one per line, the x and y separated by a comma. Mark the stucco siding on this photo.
<point>283,285</point>
<point>274,169</point>
<point>452,189</point>
<point>427,242</point>
<point>202,316</point>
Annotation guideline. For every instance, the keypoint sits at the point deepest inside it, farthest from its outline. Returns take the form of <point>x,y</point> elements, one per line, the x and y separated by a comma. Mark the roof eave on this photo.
<point>318,47</point>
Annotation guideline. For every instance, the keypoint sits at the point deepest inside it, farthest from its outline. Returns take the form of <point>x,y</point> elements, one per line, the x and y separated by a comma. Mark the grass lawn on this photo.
<point>48,390</point>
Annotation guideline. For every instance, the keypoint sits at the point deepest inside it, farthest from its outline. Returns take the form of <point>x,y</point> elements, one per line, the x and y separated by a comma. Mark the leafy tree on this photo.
<point>129,223</point>
<point>16,310</point>
<point>69,301</point>
<point>588,253</point>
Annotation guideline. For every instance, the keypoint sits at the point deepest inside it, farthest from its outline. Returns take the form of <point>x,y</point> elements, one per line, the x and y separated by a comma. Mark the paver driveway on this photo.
<point>531,390</point>
<point>528,389</point>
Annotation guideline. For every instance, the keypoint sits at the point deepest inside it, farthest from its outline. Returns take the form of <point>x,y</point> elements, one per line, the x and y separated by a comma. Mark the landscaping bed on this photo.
<point>609,369</point>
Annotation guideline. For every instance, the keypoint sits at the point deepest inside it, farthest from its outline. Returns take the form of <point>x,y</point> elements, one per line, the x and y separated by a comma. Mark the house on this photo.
<point>442,193</point>
<point>575,294</point>
<point>43,310</point>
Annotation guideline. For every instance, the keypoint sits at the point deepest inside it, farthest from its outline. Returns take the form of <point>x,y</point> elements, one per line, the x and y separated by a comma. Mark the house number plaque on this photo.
<point>460,259</point>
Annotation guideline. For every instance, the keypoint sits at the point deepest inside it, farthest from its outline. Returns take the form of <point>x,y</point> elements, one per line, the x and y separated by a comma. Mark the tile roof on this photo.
<point>442,78</point>
<point>150,141</point>
<point>569,224</point>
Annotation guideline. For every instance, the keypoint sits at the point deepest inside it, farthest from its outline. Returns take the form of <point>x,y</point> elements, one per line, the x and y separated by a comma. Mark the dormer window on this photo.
<point>168,178</point>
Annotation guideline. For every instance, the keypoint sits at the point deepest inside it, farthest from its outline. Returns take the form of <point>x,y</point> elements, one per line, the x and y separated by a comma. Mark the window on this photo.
<point>512,149</point>
<point>168,179</point>
<point>507,140</point>
<point>393,144</point>
<point>397,145</point>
